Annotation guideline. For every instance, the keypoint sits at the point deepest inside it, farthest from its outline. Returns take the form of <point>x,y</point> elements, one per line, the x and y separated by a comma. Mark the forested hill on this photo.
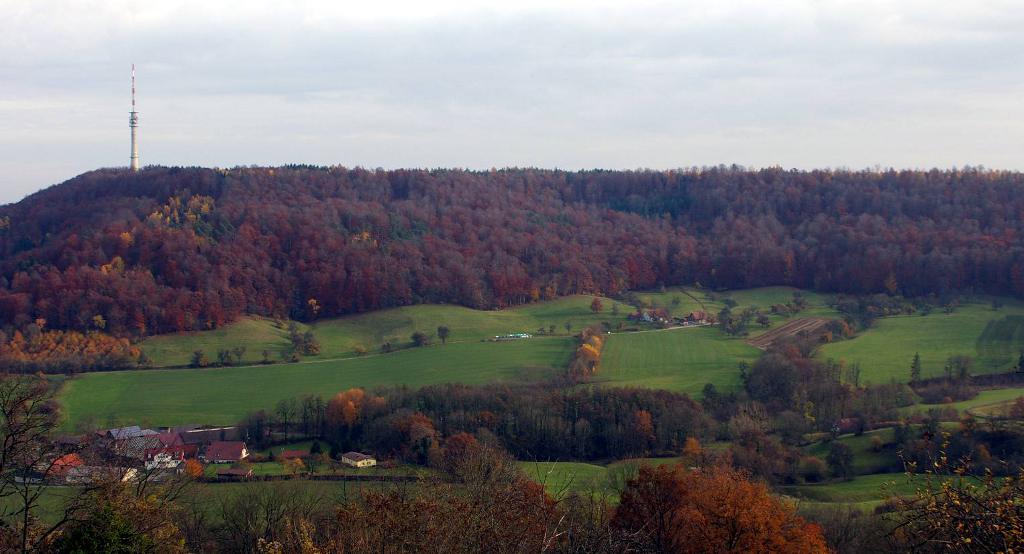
<point>168,249</point>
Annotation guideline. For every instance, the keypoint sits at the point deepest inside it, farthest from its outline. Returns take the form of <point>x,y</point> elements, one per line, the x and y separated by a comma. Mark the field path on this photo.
<point>789,329</point>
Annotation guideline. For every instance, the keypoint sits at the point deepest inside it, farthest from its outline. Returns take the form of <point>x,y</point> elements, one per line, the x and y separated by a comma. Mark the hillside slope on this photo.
<point>177,249</point>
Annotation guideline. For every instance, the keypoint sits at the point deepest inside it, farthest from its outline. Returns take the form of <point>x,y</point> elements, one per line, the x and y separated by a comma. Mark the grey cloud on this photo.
<point>806,84</point>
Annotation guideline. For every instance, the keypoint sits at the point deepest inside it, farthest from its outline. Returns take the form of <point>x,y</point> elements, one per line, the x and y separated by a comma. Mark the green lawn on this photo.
<point>988,402</point>
<point>679,359</point>
<point>224,395</point>
<point>339,337</point>
<point>867,488</point>
<point>865,460</point>
<point>560,478</point>
<point>993,403</point>
<point>992,338</point>
<point>253,333</point>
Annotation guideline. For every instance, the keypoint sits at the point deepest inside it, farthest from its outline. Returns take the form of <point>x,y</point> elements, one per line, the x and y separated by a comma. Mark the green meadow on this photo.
<point>340,337</point>
<point>561,478</point>
<point>865,459</point>
<point>865,491</point>
<point>225,395</point>
<point>993,338</point>
<point>682,360</point>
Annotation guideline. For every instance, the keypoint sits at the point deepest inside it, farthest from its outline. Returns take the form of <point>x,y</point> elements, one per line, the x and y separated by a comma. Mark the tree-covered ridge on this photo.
<point>171,249</point>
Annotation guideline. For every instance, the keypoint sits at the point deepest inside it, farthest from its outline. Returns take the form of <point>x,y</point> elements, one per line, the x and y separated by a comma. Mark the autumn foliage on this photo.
<point>672,510</point>
<point>67,351</point>
<point>587,358</point>
<point>174,249</point>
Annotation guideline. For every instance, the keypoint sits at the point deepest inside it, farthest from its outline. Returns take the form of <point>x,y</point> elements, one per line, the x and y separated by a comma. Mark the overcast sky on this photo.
<point>553,83</point>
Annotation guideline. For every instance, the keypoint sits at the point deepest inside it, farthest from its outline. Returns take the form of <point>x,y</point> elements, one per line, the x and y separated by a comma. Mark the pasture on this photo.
<point>866,491</point>
<point>340,337</point>
<point>255,334</point>
<point>225,395</point>
<point>561,478</point>
<point>682,360</point>
<point>865,460</point>
<point>885,351</point>
<point>990,402</point>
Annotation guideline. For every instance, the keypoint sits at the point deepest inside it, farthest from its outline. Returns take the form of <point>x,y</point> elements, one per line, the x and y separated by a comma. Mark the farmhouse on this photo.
<point>358,459</point>
<point>226,452</point>
<point>60,467</point>
<point>171,457</point>
<point>125,433</point>
<point>656,315</point>
<point>169,438</point>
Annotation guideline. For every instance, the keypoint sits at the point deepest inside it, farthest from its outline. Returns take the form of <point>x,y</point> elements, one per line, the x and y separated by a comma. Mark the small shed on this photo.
<point>235,474</point>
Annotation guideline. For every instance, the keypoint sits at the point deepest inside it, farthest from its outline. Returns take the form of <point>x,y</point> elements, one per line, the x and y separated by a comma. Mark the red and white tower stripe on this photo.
<point>133,123</point>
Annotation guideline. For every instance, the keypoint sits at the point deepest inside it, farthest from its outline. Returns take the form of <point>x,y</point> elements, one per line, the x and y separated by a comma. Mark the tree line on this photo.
<point>173,249</point>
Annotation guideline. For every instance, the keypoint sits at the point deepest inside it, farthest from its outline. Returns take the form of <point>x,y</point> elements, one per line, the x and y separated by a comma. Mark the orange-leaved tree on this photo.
<point>673,510</point>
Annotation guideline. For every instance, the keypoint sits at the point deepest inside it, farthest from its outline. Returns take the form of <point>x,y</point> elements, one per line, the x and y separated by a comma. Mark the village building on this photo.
<point>169,438</point>
<point>54,470</point>
<point>165,458</point>
<point>656,315</point>
<point>191,434</point>
<point>234,474</point>
<point>226,452</point>
<point>84,475</point>
<point>697,317</point>
<point>358,459</point>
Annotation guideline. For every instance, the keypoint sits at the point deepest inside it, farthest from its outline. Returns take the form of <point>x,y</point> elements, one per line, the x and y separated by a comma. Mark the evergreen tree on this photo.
<point>915,369</point>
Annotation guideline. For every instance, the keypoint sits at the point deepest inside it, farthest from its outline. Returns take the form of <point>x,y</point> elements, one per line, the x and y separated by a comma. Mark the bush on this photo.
<point>812,469</point>
<point>199,359</point>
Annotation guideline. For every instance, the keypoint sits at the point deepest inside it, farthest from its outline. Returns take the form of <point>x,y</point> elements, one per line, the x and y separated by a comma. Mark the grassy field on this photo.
<point>865,460</point>
<point>339,337</point>
<point>987,403</point>
<point>679,359</point>
<point>253,333</point>
<point>997,403</point>
<point>224,395</point>
<point>864,491</point>
<point>992,338</point>
<point>560,478</point>
<point>207,497</point>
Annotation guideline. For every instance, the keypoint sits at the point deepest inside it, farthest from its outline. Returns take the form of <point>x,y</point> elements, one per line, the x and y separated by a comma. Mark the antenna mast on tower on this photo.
<point>133,123</point>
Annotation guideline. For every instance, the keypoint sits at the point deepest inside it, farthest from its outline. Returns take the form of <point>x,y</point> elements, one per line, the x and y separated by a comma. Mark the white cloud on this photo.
<point>480,84</point>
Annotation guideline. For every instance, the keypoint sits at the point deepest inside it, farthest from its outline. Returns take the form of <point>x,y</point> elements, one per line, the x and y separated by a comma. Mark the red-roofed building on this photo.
<point>60,467</point>
<point>226,452</point>
<point>170,439</point>
<point>169,457</point>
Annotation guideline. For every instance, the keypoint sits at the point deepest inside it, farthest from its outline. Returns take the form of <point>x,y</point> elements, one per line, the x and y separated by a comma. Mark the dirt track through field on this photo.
<point>793,328</point>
